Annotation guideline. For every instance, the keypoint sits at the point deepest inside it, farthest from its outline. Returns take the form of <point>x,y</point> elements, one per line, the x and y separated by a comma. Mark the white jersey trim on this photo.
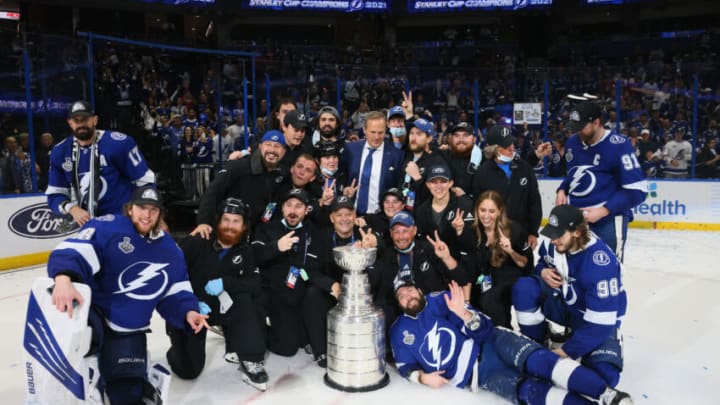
<point>86,251</point>
<point>600,318</point>
<point>530,318</point>
<point>178,287</point>
<point>57,190</point>
<point>463,362</point>
<point>562,371</point>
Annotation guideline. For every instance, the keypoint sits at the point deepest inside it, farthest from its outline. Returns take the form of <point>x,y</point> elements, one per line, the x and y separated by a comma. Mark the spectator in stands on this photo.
<point>677,154</point>
<point>707,160</point>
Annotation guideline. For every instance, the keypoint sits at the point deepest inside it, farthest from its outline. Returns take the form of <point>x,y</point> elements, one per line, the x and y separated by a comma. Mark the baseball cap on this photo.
<point>396,110</point>
<point>404,278</point>
<point>583,113</point>
<point>424,125</point>
<point>323,149</point>
<point>274,136</point>
<point>146,195</point>
<point>402,218</point>
<point>393,191</point>
<point>462,126</point>
<point>296,119</point>
<point>436,171</point>
<point>342,202</point>
<point>501,136</point>
<point>299,194</point>
<point>645,131</point>
<point>562,218</point>
<point>80,108</point>
<point>236,206</point>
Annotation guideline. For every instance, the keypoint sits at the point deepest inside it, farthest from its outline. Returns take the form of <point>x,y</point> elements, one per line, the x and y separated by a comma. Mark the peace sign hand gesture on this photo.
<point>458,222</point>
<point>407,104</point>
<point>441,248</point>
<point>328,193</point>
<point>349,191</point>
<point>369,240</point>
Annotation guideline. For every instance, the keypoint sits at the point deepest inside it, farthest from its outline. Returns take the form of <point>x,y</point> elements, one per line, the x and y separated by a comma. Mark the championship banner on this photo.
<point>415,6</point>
<point>527,112</point>
<point>348,6</point>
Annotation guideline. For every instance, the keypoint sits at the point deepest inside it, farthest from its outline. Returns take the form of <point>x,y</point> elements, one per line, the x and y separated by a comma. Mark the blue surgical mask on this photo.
<point>328,172</point>
<point>506,159</point>
<point>398,132</point>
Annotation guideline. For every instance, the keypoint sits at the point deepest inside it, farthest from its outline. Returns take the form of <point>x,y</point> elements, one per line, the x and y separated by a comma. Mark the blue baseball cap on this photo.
<point>425,126</point>
<point>396,110</point>
<point>402,218</point>
<point>274,136</point>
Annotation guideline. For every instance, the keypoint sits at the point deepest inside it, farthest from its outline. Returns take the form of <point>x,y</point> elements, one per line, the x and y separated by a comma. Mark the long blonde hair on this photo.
<point>502,225</point>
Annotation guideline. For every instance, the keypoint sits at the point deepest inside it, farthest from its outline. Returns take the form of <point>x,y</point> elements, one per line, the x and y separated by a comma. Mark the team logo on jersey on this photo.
<point>583,181</point>
<point>523,181</point>
<point>436,341</point>
<point>425,266</point>
<point>601,258</point>
<point>237,259</point>
<point>125,246</point>
<point>85,186</point>
<point>569,155</point>
<point>118,136</point>
<point>67,164</point>
<point>617,139</point>
<point>143,280</point>
<point>569,294</point>
<point>408,338</point>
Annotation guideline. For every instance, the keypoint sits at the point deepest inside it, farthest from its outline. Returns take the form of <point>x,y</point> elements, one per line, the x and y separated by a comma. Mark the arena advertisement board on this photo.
<point>30,231</point>
<point>416,6</point>
<point>530,113</point>
<point>682,205</point>
<point>320,5</point>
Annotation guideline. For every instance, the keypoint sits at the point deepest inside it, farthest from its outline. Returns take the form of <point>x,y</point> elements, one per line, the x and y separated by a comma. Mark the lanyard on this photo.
<point>352,239</point>
<point>94,171</point>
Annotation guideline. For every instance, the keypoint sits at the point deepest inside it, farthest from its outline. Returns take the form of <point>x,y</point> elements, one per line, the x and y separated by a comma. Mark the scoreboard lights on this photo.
<point>9,15</point>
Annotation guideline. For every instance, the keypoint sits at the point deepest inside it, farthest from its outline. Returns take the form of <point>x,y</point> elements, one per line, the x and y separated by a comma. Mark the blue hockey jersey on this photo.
<point>122,169</point>
<point>437,339</point>
<point>592,290</point>
<point>129,275</point>
<point>606,173</point>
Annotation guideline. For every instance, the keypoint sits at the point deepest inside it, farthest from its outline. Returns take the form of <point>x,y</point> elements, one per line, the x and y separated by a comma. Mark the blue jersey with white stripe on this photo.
<point>606,173</point>
<point>592,289</point>
<point>437,339</point>
<point>122,169</point>
<point>129,275</point>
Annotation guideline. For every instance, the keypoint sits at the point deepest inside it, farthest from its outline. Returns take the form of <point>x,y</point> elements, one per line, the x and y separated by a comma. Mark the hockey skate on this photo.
<point>611,396</point>
<point>253,373</point>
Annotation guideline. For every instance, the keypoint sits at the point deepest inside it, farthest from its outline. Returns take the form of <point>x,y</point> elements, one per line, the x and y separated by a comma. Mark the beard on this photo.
<point>84,133</point>
<point>229,237</point>
<point>327,132</point>
<point>415,306</point>
<point>462,150</point>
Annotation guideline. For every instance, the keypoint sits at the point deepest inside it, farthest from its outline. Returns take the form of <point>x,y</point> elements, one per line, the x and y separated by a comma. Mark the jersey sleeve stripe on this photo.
<point>57,190</point>
<point>86,251</point>
<point>463,362</point>
<point>178,287</point>
<point>600,318</point>
<point>641,185</point>
<point>530,318</point>
<point>147,178</point>
<point>562,371</point>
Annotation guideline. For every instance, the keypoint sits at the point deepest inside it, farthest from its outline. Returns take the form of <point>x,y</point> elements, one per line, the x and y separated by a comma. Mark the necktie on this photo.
<point>364,192</point>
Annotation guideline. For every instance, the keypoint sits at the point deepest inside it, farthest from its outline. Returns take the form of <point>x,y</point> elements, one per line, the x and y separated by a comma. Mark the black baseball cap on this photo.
<point>327,148</point>
<point>80,108</point>
<point>296,119</point>
<point>393,191</point>
<point>583,113</point>
<point>232,205</point>
<point>562,218</point>
<point>436,171</point>
<point>462,126</point>
<point>146,195</point>
<point>342,202</point>
<point>500,135</point>
<point>299,194</point>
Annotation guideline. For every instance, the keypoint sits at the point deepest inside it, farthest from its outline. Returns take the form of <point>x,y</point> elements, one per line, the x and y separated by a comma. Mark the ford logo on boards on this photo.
<point>38,222</point>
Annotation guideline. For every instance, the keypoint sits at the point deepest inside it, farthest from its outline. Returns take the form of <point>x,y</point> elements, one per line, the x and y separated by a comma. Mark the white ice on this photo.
<point>672,340</point>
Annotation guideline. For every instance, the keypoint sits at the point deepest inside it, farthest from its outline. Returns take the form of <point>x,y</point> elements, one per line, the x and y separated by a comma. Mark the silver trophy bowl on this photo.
<point>356,329</point>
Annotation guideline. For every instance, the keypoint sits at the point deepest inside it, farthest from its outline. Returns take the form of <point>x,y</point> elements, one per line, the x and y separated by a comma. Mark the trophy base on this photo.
<point>382,383</point>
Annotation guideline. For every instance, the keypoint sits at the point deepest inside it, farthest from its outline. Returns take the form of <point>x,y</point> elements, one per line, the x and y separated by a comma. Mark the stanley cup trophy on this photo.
<point>356,329</point>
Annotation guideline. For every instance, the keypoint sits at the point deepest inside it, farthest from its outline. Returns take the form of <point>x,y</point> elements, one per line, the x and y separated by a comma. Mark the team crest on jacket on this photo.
<point>425,266</point>
<point>143,281</point>
<point>237,259</point>
<point>601,258</point>
<point>125,246</point>
<point>408,338</point>
<point>523,181</point>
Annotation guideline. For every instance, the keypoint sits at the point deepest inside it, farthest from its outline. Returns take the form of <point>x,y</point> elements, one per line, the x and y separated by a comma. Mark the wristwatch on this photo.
<point>474,322</point>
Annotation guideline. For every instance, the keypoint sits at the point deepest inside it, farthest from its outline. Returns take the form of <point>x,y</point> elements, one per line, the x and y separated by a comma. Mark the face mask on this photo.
<point>398,145</point>
<point>506,159</point>
<point>328,172</point>
<point>398,132</point>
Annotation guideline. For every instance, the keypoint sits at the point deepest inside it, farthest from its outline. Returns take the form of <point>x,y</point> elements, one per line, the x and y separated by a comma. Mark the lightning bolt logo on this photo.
<point>142,274</point>
<point>434,345</point>
<point>579,174</point>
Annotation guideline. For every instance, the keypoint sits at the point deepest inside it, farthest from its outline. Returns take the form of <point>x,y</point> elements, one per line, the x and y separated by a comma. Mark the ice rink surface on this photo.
<point>672,340</point>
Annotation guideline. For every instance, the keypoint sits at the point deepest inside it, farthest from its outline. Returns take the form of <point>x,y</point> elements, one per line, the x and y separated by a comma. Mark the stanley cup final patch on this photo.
<point>408,338</point>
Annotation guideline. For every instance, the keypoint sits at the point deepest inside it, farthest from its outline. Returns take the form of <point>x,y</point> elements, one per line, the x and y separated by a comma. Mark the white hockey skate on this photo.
<point>611,396</point>
<point>253,373</point>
